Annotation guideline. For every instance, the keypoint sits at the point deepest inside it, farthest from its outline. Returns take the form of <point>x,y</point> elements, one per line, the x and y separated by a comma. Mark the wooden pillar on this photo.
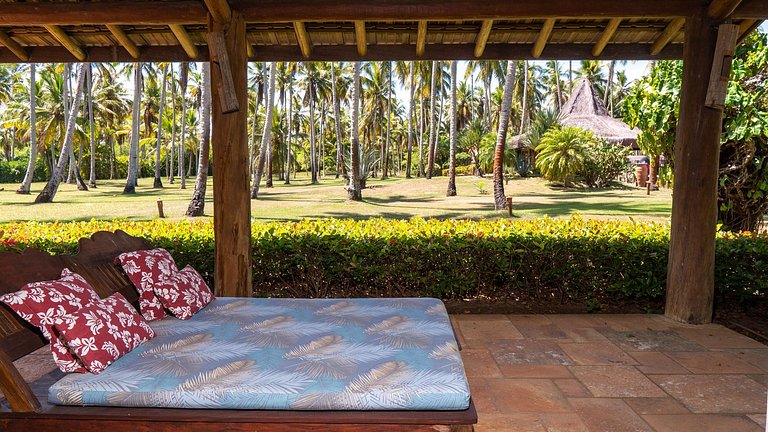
<point>690,274</point>
<point>231,177</point>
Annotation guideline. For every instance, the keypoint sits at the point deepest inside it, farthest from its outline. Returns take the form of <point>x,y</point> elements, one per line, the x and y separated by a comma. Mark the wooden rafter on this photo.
<point>220,10</point>
<point>421,38</point>
<point>751,9</point>
<point>746,27</point>
<point>66,41</point>
<point>721,9</point>
<point>183,37</point>
<point>107,12</point>
<point>669,33</point>
<point>14,46</point>
<point>303,37</point>
<point>543,37</point>
<point>248,48</point>
<point>362,44</point>
<point>482,37</point>
<point>606,36</point>
<point>124,40</point>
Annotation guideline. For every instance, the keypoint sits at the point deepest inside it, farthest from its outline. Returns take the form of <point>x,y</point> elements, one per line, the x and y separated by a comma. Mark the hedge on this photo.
<point>564,261</point>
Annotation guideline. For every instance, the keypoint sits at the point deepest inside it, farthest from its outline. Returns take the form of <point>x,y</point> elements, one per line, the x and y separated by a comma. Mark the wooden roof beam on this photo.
<point>543,37</point>
<point>720,10</point>
<point>106,12</point>
<point>248,48</point>
<point>183,37</point>
<point>65,40</point>
<point>669,33</point>
<point>362,44</point>
<point>219,10</point>
<point>303,37</point>
<point>14,46</point>
<point>746,27</point>
<point>606,36</point>
<point>482,37</point>
<point>124,40</point>
<point>421,38</point>
<point>752,9</point>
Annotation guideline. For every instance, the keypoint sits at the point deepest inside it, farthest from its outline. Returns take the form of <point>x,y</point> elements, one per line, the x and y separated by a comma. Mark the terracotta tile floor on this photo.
<point>611,373</point>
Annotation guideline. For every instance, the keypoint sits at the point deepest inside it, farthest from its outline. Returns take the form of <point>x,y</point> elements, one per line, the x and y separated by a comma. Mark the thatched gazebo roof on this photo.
<point>585,110</point>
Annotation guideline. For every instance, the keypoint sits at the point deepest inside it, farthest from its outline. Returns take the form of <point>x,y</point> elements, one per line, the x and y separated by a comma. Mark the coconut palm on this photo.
<point>49,191</point>
<point>197,203</point>
<point>184,78</point>
<point>133,153</point>
<point>27,182</point>
<point>452,160</point>
<point>158,183</point>
<point>266,137</point>
<point>354,191</point>
<point>562,152</point>
<point>337,87</point>
<point>500,200</point>
<point>432,137</point>
<point>91,128</point>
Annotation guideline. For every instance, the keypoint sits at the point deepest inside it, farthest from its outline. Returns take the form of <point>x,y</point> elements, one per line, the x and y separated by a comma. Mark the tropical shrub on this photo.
<point>603,163</point>
<point>562,152</point>
<point>14,171</point>
<point>555,261</point>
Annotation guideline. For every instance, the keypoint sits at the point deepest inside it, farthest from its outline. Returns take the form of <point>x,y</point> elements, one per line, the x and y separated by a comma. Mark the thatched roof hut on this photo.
<point>584,109</point>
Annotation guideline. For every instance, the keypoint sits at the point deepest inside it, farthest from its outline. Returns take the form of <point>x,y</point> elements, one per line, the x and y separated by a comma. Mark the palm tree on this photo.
<point>91,128</point>
<point>452,163</point>
<point>266,137</point>
<point>401,68</point>
<point>49,191</point>
<point>432,137</point>
<point>354,191</point>
<point>184,77</point>
<point>27,182</point>
<point>341,167</point>
<point>561,153</point>
<point>133,153</point>
<point>158,179</point>
<point>500,200</point>
<point>197,203</point>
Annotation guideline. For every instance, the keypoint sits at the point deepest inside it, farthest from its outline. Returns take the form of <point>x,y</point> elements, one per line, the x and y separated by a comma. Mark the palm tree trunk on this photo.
<point>290,132</point>
<point>422,120</point>
<point>111,140</point>
<point>385,165</point>
<point>266,136</point>
<point>432,138</point>
<point>197,203</point>
<point>158,179</point>
<point>172,147</point>
<point>312,150</point>
<point>184,78</point>
<point>452,160</point>
<point>412,80</point>
<point>558,96</point>
<point>487,90</point>
<point>49,191</point>
<point>133,154</point>
<point>91,129</point>
<point>570,77</point>
<point>26,184</point>
<point>354,191</point>
<point>500,200</point>
<point>609,89</point>
<point>524,113</point>
<point>341,167</point>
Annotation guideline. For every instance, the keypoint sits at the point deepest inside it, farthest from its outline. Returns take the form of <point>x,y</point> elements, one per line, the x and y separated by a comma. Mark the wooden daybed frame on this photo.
<point>26,407</point>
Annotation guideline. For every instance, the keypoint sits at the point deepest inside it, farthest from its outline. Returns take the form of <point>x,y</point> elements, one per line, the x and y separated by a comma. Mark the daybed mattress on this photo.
<point>288,354</point>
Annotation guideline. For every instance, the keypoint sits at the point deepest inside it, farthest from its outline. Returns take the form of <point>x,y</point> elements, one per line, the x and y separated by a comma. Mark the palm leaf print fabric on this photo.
<point>288,354</point>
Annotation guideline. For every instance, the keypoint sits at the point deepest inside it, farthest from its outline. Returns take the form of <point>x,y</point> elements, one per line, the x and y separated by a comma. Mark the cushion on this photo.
<point>40,303</point>
<point>184,293</point>
<point>145,268</point>
<point>103,331</point>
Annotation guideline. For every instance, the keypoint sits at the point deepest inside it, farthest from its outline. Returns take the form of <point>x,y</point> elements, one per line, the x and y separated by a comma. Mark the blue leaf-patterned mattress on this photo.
<point>288,354</point>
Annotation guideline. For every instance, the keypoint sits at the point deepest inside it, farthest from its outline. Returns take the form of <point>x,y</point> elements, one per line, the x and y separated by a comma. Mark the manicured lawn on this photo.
<point>392,198</point>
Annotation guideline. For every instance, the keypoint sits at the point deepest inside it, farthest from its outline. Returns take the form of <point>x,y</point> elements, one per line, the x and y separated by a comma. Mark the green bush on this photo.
<point>14,171</point>
<point>562,261</point>
<point>603,163</point>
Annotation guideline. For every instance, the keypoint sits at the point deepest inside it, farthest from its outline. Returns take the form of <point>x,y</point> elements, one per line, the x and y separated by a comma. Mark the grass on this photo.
<point>392,198</point>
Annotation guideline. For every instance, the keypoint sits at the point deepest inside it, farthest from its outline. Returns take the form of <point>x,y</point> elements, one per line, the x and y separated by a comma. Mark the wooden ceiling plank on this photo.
<point>124,40</point>
<point>66,41</point>
<point>543,37</point>
<point>421,38</point>
<point>482,37</point>
<point>186,42</point>
<point>606,36</point>
<point>669,33</point>
<point>219,10</point>
<point>362,44</point>
<point>303,37</point>
<point>14,46</point>
<point>719,10</point>
<point>107,12</point>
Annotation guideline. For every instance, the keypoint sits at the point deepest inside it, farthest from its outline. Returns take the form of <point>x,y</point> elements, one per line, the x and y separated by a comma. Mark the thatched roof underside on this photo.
<point>585,110</point>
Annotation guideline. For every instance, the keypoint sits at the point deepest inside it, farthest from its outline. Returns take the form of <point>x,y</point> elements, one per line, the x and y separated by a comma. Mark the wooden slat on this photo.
<point>482,37</point>
<point>14,46</point>
<point>727,35</point>
<point>73,47</point>
<point>186,42</point>
<point>543,37</point>
<point>606,36</point>
<point>721,9</point>
<point>124,40</point>
<point>217,48</point>
<point>108,12</point>
<point>55,54</point>
<point>421,38</point>
<point>220,10</point>
<point>362,44</point>
<point>18,393</point>
<point>303,38</point>
<point>669,33</point>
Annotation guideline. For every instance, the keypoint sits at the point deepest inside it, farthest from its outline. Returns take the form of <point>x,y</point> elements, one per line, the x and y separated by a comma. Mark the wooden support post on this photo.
<point>14,46</point>
<point>217,51</point>
<point>421,38</point>
<point>690,273</point>
<point>482,37</point>
<point>231,199</point>
<point>160,212</point>
<point>124,40</point>
<point>727,34</point>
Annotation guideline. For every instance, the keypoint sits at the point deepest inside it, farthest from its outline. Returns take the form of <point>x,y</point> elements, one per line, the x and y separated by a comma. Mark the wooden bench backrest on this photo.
<point>94,261</point>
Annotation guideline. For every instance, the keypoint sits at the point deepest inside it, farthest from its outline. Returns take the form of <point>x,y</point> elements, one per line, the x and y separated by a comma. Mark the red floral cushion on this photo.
<point>104,331</point>
<point>184,293</point>
<point>41,303</point>
<point>145,268</point>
